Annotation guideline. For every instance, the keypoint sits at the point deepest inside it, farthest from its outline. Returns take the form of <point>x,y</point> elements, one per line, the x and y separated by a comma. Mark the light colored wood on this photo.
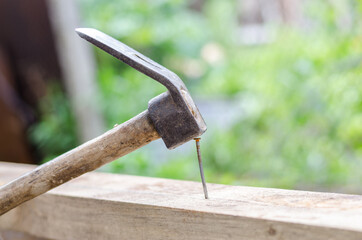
<point>106,206</point>
<point>113,144</point>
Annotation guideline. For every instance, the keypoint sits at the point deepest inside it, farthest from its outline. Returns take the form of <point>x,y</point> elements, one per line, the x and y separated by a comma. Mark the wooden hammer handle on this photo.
<point>113,144</point>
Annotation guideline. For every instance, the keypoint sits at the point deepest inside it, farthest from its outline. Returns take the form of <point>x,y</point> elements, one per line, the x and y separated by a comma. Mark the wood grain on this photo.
<point>115,143</point>
<point>107,206</point>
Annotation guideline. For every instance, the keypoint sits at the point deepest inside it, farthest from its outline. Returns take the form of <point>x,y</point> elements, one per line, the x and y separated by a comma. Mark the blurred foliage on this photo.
<point>56,131</point>
<point>301,125</point>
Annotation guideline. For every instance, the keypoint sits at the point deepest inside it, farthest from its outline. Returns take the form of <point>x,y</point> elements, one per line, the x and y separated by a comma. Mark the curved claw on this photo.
<point>165,109</point>
<point>134,59</point>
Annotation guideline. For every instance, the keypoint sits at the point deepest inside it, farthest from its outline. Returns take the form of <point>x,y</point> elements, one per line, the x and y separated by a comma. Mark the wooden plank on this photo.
<point>106,206</point>
<point>11,235</point>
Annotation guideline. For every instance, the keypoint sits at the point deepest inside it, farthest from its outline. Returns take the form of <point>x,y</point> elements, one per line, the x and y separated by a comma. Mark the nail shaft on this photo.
<point>197,140</point>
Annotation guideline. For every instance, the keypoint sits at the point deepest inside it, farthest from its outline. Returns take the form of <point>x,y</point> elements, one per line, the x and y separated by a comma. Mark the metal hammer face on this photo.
<point>173,113</point>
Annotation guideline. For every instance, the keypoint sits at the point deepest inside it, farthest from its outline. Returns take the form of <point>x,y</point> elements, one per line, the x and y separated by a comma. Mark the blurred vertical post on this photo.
<point>78,68</point>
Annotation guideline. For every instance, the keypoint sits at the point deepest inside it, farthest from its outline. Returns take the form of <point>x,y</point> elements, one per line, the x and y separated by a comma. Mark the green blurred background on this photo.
<point>280,89</point>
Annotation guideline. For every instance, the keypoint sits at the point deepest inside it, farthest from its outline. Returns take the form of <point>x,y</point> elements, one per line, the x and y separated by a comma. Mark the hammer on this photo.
<point>172,115</point>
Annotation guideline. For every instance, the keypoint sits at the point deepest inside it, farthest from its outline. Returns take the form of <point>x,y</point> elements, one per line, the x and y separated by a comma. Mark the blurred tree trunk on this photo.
<point>270,11</point>
<point>28,60</point>
<point>31,57</point>
<point>255,15</point>
<point>14,118</point>
<point>78,67</point>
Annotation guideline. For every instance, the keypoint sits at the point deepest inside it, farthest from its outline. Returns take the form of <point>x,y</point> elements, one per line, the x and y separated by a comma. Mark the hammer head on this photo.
<point>173,113</point>
<point>176,122</point>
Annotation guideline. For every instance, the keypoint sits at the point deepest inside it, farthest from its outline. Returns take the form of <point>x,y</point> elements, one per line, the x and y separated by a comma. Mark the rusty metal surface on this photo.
<point>174,113</point>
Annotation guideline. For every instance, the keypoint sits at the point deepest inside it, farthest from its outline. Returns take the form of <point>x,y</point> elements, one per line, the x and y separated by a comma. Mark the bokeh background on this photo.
<point>279,83</point>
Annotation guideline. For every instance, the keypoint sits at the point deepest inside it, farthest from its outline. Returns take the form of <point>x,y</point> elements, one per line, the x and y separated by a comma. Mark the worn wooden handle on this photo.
<point>113,144</point>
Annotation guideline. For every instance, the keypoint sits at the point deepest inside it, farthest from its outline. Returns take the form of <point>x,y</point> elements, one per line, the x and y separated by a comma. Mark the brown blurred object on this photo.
<point>27,60</point>
<point>13,146</point>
